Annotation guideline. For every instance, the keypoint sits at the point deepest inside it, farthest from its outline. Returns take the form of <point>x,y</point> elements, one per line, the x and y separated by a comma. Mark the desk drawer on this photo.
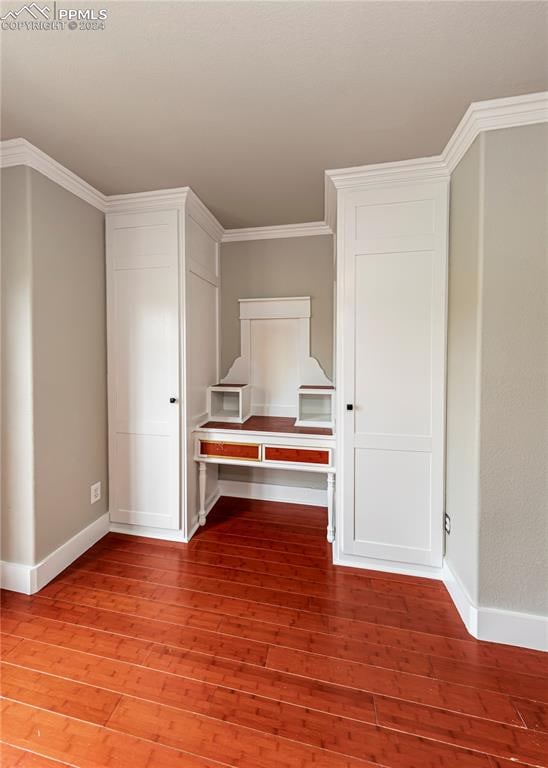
<point>241,451</point>
<point>298,455</point>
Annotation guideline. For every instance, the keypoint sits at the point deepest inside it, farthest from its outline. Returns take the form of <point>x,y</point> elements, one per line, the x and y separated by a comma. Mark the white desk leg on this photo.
<point>330,495</point>
<point>202,485</point>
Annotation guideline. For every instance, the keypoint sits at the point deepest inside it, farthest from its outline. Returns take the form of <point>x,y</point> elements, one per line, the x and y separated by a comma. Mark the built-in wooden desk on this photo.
<point>266,441</point>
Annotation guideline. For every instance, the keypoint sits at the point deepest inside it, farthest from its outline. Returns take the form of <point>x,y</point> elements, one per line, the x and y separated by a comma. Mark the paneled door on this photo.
<point>143,368</point>
<point>392,306</point>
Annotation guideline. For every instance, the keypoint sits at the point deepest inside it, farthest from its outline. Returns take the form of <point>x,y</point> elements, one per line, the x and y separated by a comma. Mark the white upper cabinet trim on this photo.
<point>272,309</point>
<point>140,202</point>
<point>282,230</point>
<point>416,170</point>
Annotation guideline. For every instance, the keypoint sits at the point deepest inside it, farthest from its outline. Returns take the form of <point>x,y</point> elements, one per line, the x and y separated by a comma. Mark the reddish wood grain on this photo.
<point>305,725</point>
<point>7,642</point>
<point>230,450</point>
<point>533,713</point>
<point>84,744</point>
<point>248,648</point>
<point>249,748</point>
<point>299,455</point>
<point>12,757</point>
<point>50,692</point>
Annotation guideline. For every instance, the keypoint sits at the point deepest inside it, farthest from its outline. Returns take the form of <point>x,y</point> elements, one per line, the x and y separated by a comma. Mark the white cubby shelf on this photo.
<point>230,403</point>
<point>316,406</point>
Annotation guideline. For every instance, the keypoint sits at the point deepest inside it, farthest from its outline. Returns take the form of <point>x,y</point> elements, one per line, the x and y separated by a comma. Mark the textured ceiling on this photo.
<point>249,102</point>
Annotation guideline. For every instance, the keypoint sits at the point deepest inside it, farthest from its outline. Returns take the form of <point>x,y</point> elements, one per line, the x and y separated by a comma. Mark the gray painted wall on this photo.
<point>513,561</point>
<point>290,266</point>
<point>64,311</point>
<point>16,328</point>
<point>70,375</point>
<point>497,406</point>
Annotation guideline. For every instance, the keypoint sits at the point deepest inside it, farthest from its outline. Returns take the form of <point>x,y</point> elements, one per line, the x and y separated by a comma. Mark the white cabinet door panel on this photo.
<point>143,330</point>
<point>393,507</point>
<point>146,479</point>
<point>393,343</point>
<point>392,326</point>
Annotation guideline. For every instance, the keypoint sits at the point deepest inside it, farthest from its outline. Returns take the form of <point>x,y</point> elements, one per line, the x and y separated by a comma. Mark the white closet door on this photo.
<point>393,359</point>
<point>143,361</point>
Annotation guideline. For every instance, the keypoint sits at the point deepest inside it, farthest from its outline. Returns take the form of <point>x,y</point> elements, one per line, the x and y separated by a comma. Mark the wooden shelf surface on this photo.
<point>269,424</point>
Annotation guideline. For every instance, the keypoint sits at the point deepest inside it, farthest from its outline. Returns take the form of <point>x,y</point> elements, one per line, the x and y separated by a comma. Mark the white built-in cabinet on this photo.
<point>391,336</point>
<point>162,269</point>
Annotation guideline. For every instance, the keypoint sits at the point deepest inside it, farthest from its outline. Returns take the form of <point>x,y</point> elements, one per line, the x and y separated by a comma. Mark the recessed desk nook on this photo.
<point>273,411</point>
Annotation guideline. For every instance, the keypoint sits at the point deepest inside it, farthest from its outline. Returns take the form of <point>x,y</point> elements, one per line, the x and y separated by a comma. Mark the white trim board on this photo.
<point>288,494</point>
<point>167,198</point>
<point>386,566</point>
<point>494,115</point>
<point>165,534</point>
<point>308,229</point>
<point>29,579</point>
<point>273,308</point>
<point>496,625</point>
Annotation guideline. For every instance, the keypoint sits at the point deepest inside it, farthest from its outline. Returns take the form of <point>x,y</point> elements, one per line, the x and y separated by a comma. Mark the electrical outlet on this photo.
<point>447,520</point>
<point>95,492</point>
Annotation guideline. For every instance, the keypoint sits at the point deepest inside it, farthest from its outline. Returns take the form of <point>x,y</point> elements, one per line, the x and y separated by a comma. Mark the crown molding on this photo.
<point>147,201</point>
<point>166,198</point>
<point>201,214</point>
<point>493,115</point>
<point>416,170</point>
<point>489,115</point>
<point>21,152</point>
<point>281,230</point>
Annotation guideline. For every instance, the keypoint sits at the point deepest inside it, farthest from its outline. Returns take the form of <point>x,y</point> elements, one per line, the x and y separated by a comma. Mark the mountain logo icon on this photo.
<point>33,9</point>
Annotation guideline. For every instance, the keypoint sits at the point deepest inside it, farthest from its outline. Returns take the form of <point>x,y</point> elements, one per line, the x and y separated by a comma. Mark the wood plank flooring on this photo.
<point>247,648</point>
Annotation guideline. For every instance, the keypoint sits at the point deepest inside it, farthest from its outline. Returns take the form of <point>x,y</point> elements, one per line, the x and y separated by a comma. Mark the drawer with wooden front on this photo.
<point>280,454</point>
<point>237,451</point>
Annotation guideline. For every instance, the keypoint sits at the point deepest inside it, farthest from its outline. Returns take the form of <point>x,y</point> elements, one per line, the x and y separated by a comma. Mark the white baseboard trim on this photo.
<point>463,602</point>
<point>164,533</point>
<point>496,625</point>
<point>16,577</point>
<point>267,492</point>
<point>389,566</point>
<point>167,534</point>
<point>29,579</point>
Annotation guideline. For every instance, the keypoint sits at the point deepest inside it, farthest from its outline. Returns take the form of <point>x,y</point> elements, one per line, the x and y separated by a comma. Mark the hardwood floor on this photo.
<point>247,648</point>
